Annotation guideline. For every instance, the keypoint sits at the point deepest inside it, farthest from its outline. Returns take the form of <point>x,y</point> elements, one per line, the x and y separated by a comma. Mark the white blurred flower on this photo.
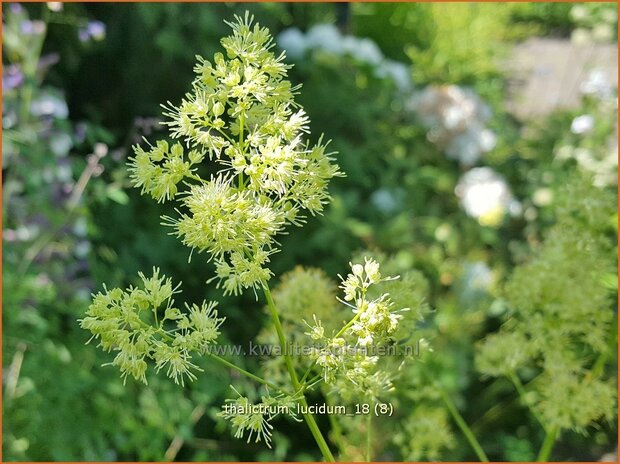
<point>326,37</point>
<point>455,119</point>
<point>293,41</point>
<point>49,105</point>
<point>582,124</point>
<point>367,51</point>
<point>487,140</point>
<point>61,143</point>
<point>484,195</point>
<point>597,84</point>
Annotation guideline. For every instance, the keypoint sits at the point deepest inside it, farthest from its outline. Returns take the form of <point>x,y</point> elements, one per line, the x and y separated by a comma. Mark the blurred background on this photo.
<point>456,124</point>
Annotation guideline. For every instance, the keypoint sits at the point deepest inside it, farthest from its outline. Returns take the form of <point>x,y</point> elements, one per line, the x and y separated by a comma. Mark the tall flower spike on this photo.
<point>241,115</point>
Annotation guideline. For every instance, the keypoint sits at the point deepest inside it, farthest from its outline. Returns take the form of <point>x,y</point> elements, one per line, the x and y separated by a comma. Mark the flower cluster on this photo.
<point>254,418</point>
<point>328,39</point>
<point>485,195</point>
<point>142,324</point>
<point>241,115</point>
<point>559,322</point>
<point>455,118</point>
<point>347,358</point>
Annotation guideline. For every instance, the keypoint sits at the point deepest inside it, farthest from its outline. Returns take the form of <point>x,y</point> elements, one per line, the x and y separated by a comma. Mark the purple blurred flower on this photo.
<point>35,27</point>
<point>15,8</point>
<point>93,30</point>
<point>96,29</point>
<point>12,77</point>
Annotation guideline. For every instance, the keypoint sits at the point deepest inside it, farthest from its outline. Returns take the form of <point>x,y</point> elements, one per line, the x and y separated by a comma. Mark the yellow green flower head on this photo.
<point>254,418</point>
<point>142,324</point>
<point>346,358</point>
<point>241,115</point>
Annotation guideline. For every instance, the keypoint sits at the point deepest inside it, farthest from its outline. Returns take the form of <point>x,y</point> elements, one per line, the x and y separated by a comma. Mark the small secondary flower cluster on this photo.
<point>131,323</point>
<point>373,324</point>
<point>242,115</point>
<point>254,418</point>
<point>455,118</point>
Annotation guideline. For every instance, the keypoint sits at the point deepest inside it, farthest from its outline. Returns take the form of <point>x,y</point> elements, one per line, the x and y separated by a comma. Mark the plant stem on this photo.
<point>340,332</point>
<point>463,426</point>
<point>523,394</point>
<point>221,360</point>
<point>368,436</point>
<point>312,425</point>
<point>303,377</point>
<point>547,446</point>
<point>248,374</point>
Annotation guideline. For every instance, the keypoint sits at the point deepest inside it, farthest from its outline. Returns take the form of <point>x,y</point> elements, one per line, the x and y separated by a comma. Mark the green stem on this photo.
<point>463,426</point>
<point>312,425</point>
<point>368,436</point>
<point>340,332</point>
<point>547,446</point>
<point>348,324</point>
<point>523,394</point>
<point>221,360</point>
<point>195,177</point>
<point>303,377</point>
<point>311,381</point>
<point>248,374</point>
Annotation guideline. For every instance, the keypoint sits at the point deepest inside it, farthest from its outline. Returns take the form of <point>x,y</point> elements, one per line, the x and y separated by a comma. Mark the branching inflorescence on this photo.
<point>241,117</point>
<point>240,114</point>
<point>143,324</point>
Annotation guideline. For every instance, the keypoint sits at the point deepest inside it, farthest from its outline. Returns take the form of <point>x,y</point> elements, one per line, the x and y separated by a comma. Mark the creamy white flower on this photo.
<point>484,195</point>
<point>582,124</point>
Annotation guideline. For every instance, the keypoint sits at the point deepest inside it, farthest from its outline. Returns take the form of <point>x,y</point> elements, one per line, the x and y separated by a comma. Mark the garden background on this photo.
<point>467,133</point>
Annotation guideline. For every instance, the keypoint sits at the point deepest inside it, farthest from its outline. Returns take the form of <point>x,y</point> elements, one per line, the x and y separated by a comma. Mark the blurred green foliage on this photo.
<point>70,222</point>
